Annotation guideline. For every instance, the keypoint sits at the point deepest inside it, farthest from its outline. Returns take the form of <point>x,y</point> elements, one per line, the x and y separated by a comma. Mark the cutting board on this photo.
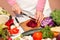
<point>26,28</point>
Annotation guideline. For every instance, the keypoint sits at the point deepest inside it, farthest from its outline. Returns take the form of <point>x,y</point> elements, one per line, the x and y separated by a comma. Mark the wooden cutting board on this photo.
<point>26,28</point>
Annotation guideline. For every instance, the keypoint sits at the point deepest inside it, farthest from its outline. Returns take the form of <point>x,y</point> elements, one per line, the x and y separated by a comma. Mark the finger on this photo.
<point>41,18</point>
<point>36,17</point>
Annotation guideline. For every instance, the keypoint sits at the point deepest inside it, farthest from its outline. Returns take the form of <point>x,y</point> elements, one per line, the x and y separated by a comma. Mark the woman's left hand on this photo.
<point>39,16</point>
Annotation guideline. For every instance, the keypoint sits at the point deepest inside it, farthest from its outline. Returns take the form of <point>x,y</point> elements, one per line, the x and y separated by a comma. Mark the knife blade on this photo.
<point>28,16</point>
<point>30,32</point>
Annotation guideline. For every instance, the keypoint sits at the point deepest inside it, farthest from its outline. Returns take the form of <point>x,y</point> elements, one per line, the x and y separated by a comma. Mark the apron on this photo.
<point>29,7</point>
<point>47,9</point>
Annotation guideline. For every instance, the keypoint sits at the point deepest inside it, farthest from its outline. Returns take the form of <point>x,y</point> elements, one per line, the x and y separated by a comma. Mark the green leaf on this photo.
<point>56,16</point>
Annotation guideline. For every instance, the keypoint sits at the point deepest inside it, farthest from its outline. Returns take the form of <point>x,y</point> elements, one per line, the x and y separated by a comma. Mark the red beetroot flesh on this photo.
<point>32,23</point>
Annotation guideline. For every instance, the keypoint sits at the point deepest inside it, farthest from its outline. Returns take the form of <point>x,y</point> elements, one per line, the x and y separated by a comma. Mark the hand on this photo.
<point>39,16</point>
<point>16,9</point>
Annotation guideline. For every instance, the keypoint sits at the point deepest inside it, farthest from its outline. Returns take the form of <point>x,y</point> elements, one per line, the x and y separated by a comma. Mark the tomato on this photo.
<point>14,31</point>
<point>37,35</point>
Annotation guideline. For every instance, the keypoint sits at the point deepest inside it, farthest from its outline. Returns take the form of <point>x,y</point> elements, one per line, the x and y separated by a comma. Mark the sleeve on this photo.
<point>11,2</point>
<point>40,5</point>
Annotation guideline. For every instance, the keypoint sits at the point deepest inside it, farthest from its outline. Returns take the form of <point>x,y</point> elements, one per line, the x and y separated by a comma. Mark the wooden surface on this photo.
<point>26,28</point>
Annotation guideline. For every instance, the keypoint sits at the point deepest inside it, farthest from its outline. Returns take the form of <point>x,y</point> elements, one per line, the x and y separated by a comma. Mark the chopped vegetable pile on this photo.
<point>43,33</point>
<point>46,32</point>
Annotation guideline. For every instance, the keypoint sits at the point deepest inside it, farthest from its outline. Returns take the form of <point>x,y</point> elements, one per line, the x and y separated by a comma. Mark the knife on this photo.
<point>28,16</point>
<point>16,20</point>
<point>30,32</point>
<point>21,13</point>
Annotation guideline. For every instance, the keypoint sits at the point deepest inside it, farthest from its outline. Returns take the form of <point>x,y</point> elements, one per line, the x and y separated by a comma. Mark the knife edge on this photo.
<point>28,16</point>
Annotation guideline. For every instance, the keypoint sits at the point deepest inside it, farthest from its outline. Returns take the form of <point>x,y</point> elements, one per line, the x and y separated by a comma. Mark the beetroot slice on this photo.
<point>32,23</point>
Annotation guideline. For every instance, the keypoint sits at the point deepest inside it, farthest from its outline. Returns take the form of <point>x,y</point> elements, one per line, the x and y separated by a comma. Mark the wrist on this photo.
<point>39,12</point>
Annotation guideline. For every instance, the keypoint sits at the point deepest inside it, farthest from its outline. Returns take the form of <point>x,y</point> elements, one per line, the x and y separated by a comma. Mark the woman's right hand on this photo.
<point>39,16</point>
<point>16,9</point>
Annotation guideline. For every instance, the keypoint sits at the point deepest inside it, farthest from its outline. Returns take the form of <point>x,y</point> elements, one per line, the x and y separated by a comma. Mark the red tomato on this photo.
<point>14,31</point>
<point>37,36</point>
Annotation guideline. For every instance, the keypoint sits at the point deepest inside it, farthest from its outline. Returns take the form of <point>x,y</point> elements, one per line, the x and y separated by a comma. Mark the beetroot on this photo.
<point>32,23</point>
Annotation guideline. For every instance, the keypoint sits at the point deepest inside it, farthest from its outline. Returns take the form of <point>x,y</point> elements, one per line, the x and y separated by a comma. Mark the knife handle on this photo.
<point>16,20</point>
